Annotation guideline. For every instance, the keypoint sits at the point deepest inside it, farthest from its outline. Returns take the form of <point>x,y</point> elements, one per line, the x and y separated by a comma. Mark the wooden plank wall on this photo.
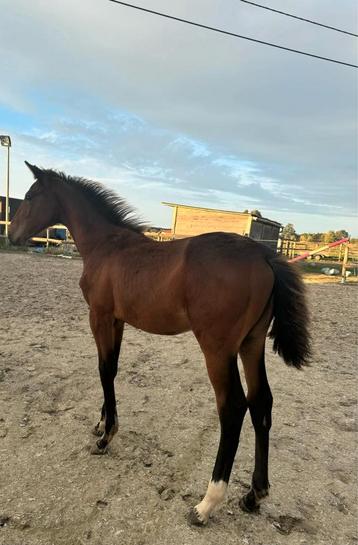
<point>263,231</point>
<point>191,221</point>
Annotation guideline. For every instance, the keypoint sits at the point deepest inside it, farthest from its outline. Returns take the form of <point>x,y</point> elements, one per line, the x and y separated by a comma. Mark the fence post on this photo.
<point>279,246</point>
<point>344,263</point>
<point>293,249</point>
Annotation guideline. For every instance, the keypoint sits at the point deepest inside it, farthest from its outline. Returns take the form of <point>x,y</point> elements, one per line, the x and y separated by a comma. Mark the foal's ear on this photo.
<point>37,172</point>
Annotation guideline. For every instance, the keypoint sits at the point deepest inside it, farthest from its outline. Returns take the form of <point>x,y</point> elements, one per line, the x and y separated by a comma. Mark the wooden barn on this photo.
<point>13,206</point>
<point>57,232</point>
<point>194,220</point>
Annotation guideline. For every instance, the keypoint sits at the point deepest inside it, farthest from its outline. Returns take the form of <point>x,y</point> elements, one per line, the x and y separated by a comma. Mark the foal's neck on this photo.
<point>87,225</point>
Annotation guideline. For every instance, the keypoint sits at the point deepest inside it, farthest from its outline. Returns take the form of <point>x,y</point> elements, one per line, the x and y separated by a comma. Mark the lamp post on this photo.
<point>5,140</point>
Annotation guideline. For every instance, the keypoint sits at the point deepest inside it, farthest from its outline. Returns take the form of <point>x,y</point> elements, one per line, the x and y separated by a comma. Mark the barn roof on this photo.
<point>2,197</point>
<point>255,218</point>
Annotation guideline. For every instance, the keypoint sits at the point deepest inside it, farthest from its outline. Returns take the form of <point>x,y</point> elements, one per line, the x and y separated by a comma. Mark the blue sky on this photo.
<point>164,112</point>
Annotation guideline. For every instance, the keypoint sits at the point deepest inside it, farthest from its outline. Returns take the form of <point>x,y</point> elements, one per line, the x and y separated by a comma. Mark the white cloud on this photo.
<point>186,112</point>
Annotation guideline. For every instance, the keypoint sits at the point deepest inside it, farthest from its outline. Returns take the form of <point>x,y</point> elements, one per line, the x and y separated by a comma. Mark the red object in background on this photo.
<point>321,249</point>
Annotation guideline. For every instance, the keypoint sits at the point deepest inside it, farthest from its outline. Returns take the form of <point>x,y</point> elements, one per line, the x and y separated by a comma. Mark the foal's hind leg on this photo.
<point>259,397</point>
<point>108,336</point>
<point>232,405</point>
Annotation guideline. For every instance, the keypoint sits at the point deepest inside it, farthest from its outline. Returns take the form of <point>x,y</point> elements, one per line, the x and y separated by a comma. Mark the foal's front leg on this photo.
<point>98,430</point>
<point>108,336</point>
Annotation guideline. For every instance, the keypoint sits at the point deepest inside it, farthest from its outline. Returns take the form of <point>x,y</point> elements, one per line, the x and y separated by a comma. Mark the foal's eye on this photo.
<point>27,197</point>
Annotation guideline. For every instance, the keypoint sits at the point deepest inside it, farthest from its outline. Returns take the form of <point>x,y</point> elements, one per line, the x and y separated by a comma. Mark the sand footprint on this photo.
<point>3,428</point>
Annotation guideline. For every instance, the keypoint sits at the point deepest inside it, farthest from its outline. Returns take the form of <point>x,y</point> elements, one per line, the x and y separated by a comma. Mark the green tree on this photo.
<point>256,213</point>
<point>341,234</point>
<point>329,236</point>
<point>306,237</point>
<point>289,232</point>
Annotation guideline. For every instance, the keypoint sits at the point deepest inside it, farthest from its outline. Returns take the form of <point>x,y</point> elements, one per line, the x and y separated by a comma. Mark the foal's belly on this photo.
<point>160,323</point>
<point>165,330</point>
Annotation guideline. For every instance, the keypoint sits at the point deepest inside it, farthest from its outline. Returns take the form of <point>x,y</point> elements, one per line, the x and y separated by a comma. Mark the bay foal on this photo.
<point>224,287</point>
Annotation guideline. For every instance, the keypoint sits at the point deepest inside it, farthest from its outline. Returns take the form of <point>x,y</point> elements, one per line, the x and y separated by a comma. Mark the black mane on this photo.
<point>110,205</point>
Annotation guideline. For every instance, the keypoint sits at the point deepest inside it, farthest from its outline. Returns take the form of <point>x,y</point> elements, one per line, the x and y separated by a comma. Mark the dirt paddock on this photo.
<point>53,492</point>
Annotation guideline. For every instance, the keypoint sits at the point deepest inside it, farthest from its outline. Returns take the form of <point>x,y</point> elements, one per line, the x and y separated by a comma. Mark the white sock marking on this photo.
<point>214,496</point>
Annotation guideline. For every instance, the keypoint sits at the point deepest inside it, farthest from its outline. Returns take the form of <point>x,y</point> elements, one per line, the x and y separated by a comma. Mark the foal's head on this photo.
<point>39,209</point>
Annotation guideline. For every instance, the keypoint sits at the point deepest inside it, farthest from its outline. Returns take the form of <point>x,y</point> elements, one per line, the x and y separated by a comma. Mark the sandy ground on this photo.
<point>52,491</point>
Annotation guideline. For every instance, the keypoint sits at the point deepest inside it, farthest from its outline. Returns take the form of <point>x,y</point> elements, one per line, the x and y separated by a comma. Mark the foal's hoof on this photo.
<point>248,503</point>
<point>195,519</point>
<point>99,448</point>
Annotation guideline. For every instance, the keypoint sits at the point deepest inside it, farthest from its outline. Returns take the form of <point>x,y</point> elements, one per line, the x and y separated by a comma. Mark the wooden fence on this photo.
<point>47,240</point>
<point>292,249</point>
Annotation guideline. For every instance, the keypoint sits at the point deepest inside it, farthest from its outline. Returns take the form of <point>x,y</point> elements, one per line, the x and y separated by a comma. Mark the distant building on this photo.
<point>13,206</point>
<point>58,232</point>
<point>194,220</point>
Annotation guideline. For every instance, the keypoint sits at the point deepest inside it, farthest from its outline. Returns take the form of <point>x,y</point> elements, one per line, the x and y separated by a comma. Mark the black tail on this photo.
<point>290,314</point>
